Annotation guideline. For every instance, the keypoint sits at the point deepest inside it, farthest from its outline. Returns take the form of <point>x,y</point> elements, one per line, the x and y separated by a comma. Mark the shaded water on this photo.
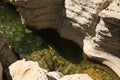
<point>73,53</point>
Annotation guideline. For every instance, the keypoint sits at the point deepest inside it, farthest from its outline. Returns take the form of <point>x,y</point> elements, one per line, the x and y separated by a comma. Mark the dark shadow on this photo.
<point>66,48</point>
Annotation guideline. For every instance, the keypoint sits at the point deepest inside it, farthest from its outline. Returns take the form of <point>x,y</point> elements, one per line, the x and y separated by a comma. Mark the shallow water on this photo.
<point>48,49</point>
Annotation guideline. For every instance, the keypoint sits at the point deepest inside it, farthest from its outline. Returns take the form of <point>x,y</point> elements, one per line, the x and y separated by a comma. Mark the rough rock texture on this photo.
<point>29,70</point>
<point>92,24</point>
<point>7,57</point>
<point>76,77</point>
<point>55,75</point>
<point>40,14</point>
<point>95,24</point>
<point>1,70</point>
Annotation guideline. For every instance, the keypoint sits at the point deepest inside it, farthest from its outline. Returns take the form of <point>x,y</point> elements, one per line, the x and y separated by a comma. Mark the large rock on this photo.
<point>1,70</point>
<point>29,70</point>
<point>92,24</point>
<point>40,14</point>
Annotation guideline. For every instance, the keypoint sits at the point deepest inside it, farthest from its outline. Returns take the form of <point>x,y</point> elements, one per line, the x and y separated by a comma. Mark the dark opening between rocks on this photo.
<point>66,48</point>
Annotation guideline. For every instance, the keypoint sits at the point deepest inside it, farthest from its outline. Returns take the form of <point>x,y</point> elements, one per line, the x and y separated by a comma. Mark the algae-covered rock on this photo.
<point>14,31</point>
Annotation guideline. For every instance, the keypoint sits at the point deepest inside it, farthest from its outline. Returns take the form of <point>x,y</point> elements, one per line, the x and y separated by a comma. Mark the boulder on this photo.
<point>94,25</point>
<point>76,77</point>
<point>27,70</point>
<point>1,70</point>
<point>30,70</point>
<point>40,14</point>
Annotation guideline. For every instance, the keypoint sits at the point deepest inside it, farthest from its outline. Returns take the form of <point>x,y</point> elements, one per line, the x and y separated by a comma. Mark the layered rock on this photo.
<point>29,70</point>
<point>92,24</point>
<point>40,14</point>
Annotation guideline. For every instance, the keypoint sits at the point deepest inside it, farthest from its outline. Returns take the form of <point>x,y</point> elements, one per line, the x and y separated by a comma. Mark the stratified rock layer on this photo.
<point>40,14</point>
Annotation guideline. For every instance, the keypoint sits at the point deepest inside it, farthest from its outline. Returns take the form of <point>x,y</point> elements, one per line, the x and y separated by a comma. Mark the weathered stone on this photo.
<point>27,70</point>
<point>55,75</point>
<point>91,25</point>
<point>40,14</point>
<point>76,77</point>
<point>1,71</point>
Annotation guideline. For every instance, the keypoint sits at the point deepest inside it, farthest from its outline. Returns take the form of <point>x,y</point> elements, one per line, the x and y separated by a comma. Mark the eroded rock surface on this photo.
<point>29,70</point>
<point>92,24</point>
<point>40,14</point>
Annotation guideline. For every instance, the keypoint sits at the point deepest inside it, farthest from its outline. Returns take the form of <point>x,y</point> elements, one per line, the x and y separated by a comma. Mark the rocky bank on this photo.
<point>92,24</point>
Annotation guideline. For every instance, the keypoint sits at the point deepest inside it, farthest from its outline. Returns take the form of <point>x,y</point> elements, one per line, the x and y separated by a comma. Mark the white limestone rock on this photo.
<point>27,70</point>
<point>54,74</point>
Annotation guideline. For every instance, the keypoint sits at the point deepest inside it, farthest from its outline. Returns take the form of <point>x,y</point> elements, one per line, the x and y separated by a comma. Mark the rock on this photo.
<point>27,70</point>
<point>92,24</point>
<point>30,70</point>
<point>76,77</point>
<point>40,14</point>
<point>7,56</point>
<point>55,75</point>
<point>1,71</point>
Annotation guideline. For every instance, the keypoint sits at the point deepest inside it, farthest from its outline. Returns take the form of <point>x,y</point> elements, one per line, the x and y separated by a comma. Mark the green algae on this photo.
<point>50,57</point>
<point>14,31</point>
